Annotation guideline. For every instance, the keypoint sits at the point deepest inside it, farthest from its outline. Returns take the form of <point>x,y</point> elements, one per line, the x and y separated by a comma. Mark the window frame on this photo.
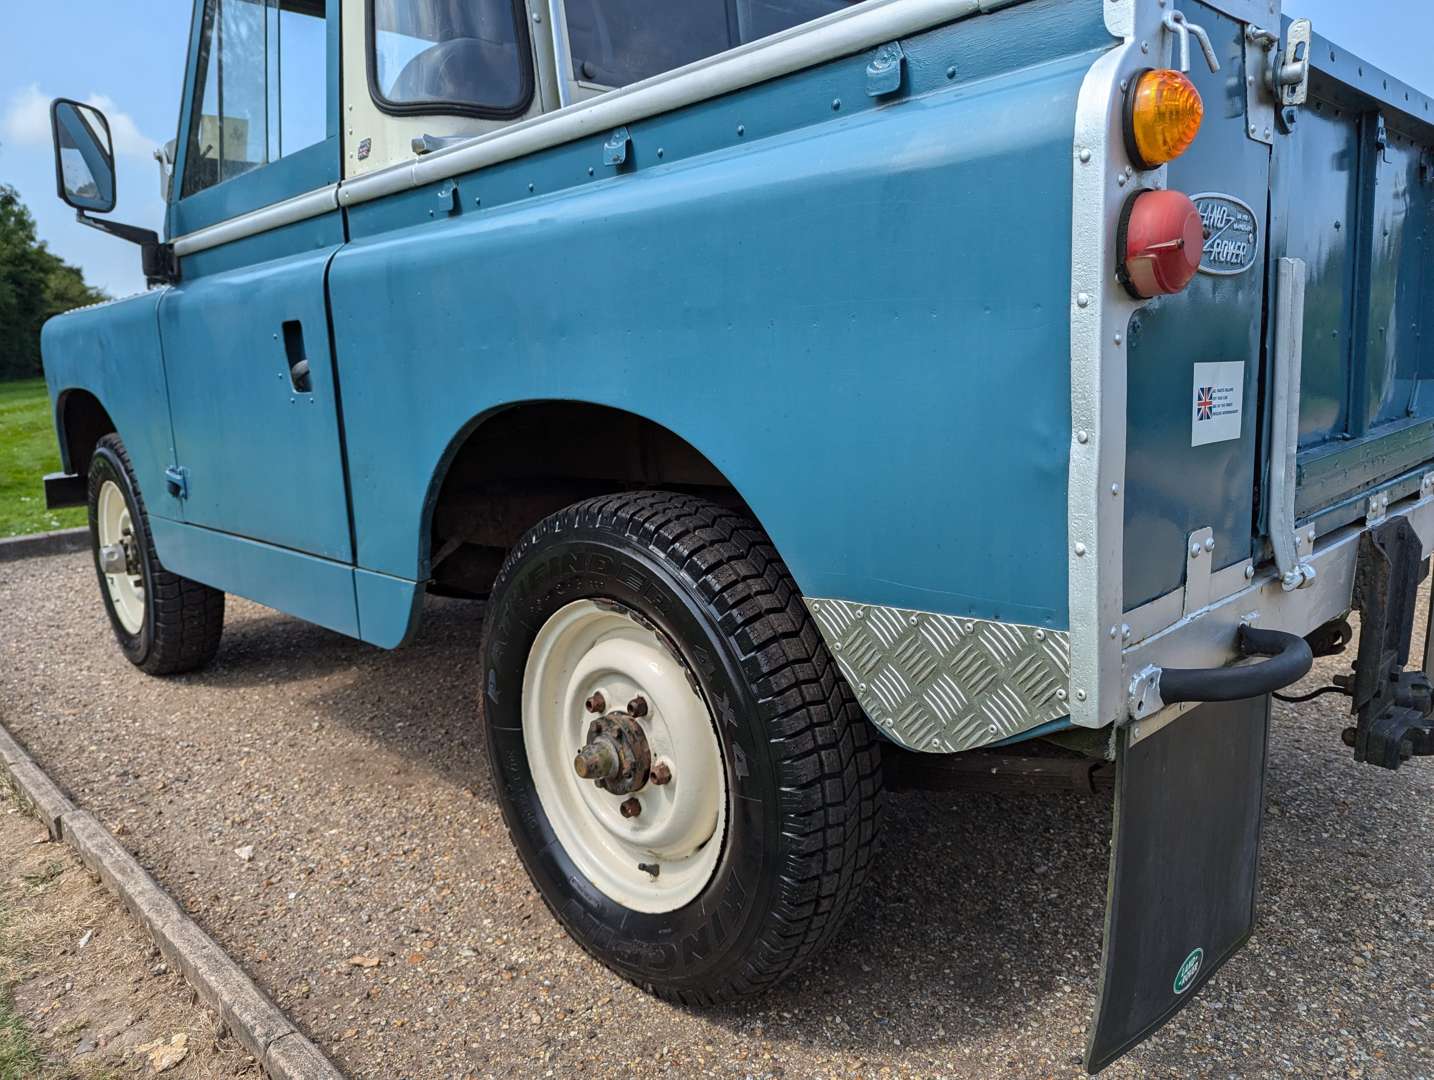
<point>524,43</point>
<point>305,170</point>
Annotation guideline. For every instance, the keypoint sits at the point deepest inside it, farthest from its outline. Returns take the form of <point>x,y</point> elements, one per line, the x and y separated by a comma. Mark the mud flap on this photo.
<point>1189,805</point>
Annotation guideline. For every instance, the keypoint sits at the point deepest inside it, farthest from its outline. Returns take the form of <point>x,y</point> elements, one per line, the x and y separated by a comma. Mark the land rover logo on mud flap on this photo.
<point>1188,970</point>
<point>1232,234</point>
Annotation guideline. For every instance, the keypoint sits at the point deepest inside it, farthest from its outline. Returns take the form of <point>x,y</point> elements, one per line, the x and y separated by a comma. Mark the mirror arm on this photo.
<point>161,265</point>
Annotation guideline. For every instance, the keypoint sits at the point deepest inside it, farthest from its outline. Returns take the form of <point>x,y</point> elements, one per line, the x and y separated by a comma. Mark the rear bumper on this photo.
<point>1206,637</point>
<point>65,489</point>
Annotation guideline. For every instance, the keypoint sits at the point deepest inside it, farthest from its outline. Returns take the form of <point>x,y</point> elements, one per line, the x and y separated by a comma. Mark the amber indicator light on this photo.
<point>1163,111</point>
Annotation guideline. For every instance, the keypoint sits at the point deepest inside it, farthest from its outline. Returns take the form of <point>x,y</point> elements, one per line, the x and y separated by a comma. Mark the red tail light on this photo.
<point>1161,243</point>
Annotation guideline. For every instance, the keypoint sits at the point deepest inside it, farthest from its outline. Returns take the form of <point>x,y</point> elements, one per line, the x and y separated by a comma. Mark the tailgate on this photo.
<point>1352,189</point>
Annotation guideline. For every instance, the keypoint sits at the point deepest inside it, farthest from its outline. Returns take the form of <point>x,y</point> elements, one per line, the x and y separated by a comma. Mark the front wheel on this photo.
<point>684,773</point>
<point>165,624</point>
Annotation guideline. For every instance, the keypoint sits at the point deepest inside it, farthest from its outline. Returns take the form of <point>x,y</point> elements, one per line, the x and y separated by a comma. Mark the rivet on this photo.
<point>1210,544</point>
<point>1084,155</point>
<point>992,729</point>
<point>1145,46</point>
<point>1061,695</point>
<point>660,151</point>
<point>1080,550</point>
<point>1080,695</point>
<point>1125,631</point>
<point>1252,129</point>
<point>1194,551</point>
<point>1135,732</point>
<point>1083,299</point>
<point>1114,632</point>
<point>741,129</point>
<point>1119,339</point>
<point>1115,489</point>
<point>1121,180</point>
<point>970,628</point>
<point>1040,635</point>
<point>951,72</point>
<point>478,199</point>
<point>836,104</point>
<point>590,170</point>
<point>1310,536</point>
<point>1249,571</point>
<point>531,187</point>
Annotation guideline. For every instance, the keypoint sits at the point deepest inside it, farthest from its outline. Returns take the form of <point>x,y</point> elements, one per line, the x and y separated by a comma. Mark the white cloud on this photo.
<point>27,122</point>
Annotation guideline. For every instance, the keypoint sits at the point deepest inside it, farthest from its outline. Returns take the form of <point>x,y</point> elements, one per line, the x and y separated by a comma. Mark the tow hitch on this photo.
<point>1393,706</point>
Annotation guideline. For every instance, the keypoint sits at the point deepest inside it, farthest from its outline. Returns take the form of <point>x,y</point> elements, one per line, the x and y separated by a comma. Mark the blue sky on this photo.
<point>128,56</point>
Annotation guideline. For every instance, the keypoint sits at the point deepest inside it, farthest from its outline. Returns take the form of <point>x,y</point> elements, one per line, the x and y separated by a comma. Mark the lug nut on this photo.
<point>630,808</point>
<point>597,703</point>
<point>637,707</point>
<point>660,774</point>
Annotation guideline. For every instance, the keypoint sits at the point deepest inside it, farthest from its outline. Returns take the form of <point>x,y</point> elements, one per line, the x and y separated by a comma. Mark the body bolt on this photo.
<point>597,703</point>
<point>661,774</point>
<point>637,707</point>
<point>630,808</point>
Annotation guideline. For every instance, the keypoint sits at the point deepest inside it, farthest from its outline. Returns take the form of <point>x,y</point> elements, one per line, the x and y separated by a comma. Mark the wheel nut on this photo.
<point>630,808</point>
<point>597,703</point>
<point>637,707</point>
<point>660,774</point>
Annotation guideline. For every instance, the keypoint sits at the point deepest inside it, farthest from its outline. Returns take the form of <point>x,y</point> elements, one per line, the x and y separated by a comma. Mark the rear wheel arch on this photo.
<point>510,467</point>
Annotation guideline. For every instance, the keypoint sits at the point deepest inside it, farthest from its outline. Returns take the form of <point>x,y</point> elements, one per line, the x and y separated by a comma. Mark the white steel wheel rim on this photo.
<point>585,649</point>
<point>116,529</point>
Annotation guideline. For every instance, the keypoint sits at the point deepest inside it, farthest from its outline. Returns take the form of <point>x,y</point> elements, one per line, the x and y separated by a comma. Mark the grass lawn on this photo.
<point>28,451</point>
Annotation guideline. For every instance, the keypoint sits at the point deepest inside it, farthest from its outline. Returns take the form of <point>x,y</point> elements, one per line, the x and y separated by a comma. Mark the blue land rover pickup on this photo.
<point>818,395</point>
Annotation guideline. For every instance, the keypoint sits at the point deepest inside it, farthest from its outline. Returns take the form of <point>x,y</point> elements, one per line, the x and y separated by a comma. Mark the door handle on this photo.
<point>298,360</point>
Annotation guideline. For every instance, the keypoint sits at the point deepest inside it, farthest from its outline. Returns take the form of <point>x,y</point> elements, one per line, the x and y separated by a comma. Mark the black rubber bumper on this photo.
<point>1290,661</point>
<point>65,489</point>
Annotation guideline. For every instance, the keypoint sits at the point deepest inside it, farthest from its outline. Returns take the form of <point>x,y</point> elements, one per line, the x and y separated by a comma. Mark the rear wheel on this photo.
<point>685,775</point>
<point>165,624</point>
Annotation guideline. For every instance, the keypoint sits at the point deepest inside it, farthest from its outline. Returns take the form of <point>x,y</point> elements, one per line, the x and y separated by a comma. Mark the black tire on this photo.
<point>183,619</point>
<point>803,765</point>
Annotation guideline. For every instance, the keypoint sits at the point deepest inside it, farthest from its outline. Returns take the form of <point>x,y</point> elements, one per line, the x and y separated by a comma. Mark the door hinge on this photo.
<point>176,479</point>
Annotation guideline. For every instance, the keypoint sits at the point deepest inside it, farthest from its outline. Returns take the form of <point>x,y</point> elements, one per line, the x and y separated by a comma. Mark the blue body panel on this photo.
<point>857,308</point>
<point>827,313</point>
<point>112,351</point>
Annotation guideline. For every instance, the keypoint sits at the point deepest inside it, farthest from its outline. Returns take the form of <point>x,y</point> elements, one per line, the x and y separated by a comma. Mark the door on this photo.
<point>1354,198</point>
<point>252,383</point>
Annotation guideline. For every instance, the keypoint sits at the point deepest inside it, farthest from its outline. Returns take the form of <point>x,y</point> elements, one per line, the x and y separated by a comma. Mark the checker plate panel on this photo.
<point>941,683</point>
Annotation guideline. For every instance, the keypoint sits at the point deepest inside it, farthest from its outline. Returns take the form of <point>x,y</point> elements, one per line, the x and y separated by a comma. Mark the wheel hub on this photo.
<point>616,756</point>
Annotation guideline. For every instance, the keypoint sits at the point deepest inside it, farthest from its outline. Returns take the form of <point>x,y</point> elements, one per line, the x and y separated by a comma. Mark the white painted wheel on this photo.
<point>116,529</point>
<point>585,649</point>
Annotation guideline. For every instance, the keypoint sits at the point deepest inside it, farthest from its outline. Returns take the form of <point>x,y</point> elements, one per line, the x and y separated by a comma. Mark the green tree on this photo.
<point>35,283</point>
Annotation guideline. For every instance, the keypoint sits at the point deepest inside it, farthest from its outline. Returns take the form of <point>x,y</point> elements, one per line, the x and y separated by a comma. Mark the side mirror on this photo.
<point>85,178</point>
<point>84,156</point>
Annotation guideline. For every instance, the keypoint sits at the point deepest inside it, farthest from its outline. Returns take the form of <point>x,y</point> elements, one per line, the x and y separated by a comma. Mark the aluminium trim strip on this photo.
<point>839,34</point>
<point>311,204</point>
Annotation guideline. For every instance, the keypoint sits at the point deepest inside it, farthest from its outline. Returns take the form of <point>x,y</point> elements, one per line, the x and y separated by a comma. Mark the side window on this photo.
<point>450,55</point>
<point>616,42</point>
<point>262,87</point>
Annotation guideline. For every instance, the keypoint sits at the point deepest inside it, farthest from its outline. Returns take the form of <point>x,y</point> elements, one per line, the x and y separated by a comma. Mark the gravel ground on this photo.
<point>384,910</point>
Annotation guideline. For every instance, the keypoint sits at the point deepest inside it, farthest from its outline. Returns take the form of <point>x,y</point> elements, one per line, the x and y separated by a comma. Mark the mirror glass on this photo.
<point>84,156</point>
